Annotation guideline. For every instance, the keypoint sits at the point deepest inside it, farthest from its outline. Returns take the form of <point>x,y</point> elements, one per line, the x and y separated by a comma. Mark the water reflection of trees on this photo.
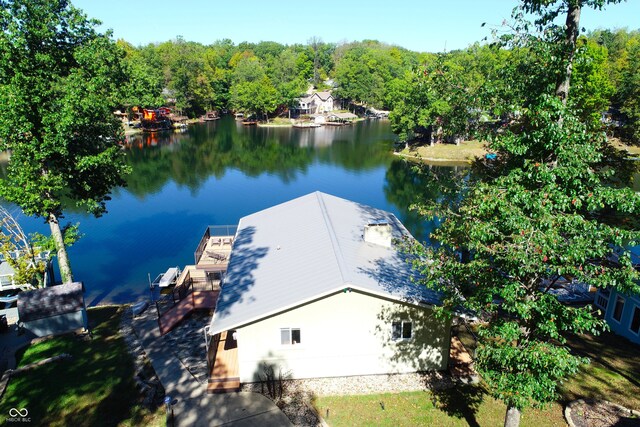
<point>191,158</point>
<point>408,182</point>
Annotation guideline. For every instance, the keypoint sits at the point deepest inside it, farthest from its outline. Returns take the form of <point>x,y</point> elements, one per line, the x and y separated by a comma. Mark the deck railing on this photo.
<point>183,292</point>
<point>211,343</point>
<point>213,230</point>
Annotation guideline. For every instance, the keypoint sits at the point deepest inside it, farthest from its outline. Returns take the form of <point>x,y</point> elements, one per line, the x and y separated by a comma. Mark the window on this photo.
<point>402,330</point>
<point>617,309</point>
<point>602,298</point>
<point>601,302</point>
<point>635,320</point>
<point>289,336</point>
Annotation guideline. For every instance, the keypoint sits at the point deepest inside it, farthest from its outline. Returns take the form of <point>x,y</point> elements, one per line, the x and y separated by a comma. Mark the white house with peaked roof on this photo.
<point>316,287</point>
<point>317,103</point>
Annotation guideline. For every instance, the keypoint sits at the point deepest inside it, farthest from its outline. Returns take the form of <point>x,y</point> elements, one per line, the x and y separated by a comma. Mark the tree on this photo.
<point>144,84</point>
<point>18,251</point>
<point>434,99</point>
<point>554,204</point>
<point>629,93</point>
<point>591,84</point>
<point>59,82</point>
<point>548,10</point>
<point>251,90</point>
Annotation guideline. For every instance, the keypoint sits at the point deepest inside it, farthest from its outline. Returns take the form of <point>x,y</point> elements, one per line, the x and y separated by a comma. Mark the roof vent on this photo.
<point>378,233</point>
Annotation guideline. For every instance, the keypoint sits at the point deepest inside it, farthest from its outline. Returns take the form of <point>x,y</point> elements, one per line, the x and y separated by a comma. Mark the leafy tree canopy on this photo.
<point>59,83</point>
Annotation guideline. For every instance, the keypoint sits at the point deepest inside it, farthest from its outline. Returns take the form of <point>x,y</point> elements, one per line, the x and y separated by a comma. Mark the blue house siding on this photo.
<point>622,313</point>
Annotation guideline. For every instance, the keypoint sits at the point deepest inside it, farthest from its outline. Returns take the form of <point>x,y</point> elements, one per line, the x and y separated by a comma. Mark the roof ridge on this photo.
<point>337,250</point>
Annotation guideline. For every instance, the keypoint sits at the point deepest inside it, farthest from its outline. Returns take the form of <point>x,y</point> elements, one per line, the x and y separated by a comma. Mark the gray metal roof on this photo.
<point>51,301</point>
<point>309,248</point>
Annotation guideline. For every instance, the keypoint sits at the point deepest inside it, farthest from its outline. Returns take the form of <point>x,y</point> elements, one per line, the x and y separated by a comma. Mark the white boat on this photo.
<point>168,278</point>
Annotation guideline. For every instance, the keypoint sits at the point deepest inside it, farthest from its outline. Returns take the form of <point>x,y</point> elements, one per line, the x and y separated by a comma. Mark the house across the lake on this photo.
<point>317,287</point>
<point>316,103</point>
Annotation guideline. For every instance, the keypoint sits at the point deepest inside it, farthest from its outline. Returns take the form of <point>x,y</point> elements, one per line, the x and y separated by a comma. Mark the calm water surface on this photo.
<point>216,173</point>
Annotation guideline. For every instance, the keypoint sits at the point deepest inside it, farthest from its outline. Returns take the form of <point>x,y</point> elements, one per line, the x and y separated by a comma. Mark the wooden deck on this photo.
<point>460,362</point>
<point>198,300</point>
<point>216,253</point>
<point>225,376</point>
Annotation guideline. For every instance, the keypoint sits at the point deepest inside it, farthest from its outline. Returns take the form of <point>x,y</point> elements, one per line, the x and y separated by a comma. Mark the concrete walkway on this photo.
<point>192,405</point>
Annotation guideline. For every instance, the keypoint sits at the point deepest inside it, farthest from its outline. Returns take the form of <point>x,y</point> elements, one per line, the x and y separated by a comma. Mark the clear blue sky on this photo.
<point>420,25</point>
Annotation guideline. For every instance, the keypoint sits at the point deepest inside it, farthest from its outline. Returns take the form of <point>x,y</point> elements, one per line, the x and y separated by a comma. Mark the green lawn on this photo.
<point>613,374</point>
<point>463,406</point>
<point>466,151</point>
<point>94,388</point>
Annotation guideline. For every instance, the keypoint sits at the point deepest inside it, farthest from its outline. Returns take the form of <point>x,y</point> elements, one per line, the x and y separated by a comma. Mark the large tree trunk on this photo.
<point>512,417</point>
<point>573,30</point>
<point>63,258</point>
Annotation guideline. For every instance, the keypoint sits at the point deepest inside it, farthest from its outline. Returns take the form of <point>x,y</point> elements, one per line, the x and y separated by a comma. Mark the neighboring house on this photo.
<point>53,310</point>
<point>316,287</point>
<point>621,312</point>
<point>7,273</point>
<point>316,103</point>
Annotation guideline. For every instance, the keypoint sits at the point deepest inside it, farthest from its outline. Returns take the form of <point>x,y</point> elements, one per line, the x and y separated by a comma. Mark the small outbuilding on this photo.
<point>53,310</point>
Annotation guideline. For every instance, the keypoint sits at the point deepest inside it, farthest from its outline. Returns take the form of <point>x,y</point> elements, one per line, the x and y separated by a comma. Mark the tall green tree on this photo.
<point>252,90</point>
<point>144,83</point>
<point>59,82</point>
<point>629,91</point>
<point>554,204</point>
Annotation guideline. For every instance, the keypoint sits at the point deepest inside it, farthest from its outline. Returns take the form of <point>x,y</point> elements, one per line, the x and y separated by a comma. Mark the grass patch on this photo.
<point>276,122</point>
<point>613,375</point>
<point>632,149</point>
<point>462,406</point>
<point>466,151</point>
<point>94,388</point>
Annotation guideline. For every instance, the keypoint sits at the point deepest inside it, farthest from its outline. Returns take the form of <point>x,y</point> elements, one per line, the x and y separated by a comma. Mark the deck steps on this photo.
<point>223,385</point>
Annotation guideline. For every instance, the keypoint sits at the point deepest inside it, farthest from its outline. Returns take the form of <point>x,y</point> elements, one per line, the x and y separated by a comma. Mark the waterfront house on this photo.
<point>317,287</point>
<point>316,103</point>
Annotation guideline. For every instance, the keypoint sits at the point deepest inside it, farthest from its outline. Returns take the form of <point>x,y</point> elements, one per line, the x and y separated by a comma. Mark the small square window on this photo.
<point>618,308</point>
<point>635,321</point>
<point>402,330</point>
<point>289,336</point>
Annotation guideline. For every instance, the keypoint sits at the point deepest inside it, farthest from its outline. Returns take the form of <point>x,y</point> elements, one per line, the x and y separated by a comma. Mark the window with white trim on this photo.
<point>635,321</point>
<point>289,336</point>
<point>618,308</point>
<point>402,330</point>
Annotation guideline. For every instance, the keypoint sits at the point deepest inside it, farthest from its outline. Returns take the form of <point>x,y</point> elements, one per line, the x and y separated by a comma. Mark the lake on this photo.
<point>214,174</point>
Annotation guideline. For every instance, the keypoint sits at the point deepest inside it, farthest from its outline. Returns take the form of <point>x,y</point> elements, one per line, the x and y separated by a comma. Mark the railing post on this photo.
<point>193,298</point>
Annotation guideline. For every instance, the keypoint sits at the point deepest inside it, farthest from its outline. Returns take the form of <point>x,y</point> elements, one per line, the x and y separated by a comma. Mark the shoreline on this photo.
<point>466,152</point>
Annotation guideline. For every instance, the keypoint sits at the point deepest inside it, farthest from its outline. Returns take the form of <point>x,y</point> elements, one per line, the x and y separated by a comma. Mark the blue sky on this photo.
<point>425,25</point>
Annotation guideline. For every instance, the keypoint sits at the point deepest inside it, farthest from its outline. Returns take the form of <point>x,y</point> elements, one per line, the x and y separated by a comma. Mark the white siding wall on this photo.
<point>344,334</point>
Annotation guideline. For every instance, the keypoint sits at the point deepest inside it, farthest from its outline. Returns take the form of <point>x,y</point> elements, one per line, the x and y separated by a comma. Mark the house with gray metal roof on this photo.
<point>317,287</point>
